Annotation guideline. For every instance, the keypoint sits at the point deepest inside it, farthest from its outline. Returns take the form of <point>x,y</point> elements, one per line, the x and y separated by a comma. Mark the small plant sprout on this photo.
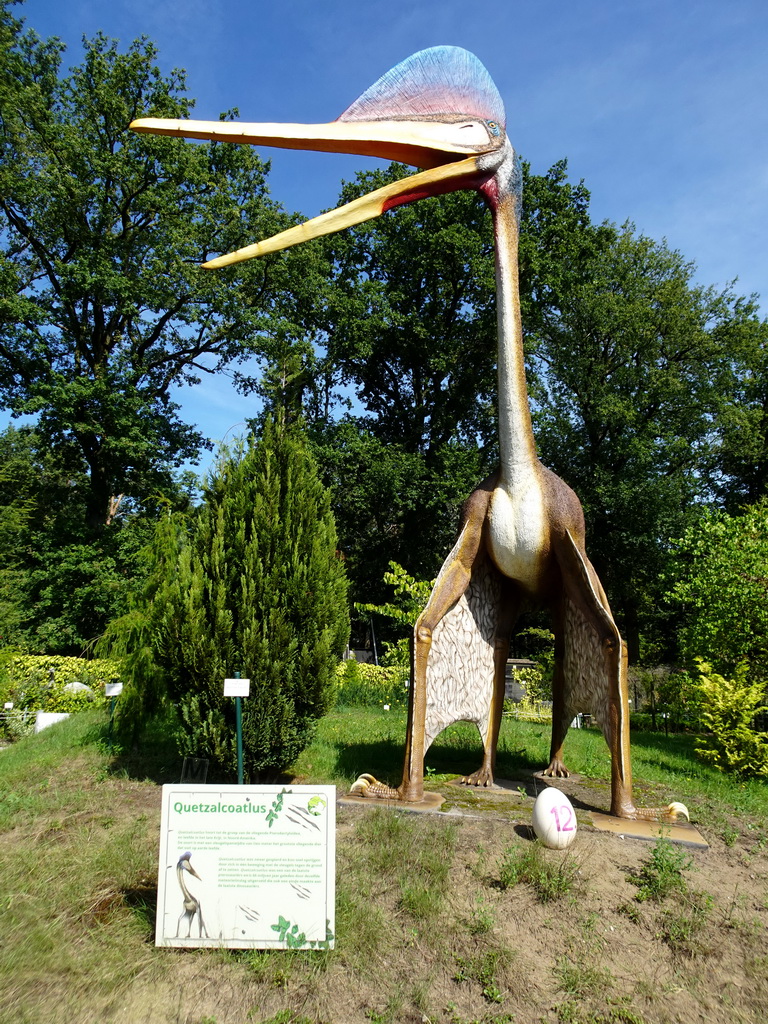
<point>662,873</point>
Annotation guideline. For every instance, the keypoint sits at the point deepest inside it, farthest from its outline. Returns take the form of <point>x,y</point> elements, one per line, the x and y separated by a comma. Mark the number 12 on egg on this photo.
<point>563,825</point>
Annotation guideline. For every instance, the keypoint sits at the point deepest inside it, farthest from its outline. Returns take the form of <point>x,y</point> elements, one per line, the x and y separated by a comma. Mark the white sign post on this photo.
<point>247,867</point>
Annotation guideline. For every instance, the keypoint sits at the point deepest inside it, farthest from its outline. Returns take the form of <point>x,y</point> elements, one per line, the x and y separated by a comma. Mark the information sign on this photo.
<point>237,687</point>
<point>113,689</point>
<point>247,867</point>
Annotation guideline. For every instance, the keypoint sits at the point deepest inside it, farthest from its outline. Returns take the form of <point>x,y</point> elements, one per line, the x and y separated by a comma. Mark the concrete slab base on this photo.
<point>500,787</point>
<point>431,802</point>
<point>678,832</point>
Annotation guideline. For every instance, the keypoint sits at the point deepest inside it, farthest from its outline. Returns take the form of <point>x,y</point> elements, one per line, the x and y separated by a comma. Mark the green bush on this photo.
<point>362,685</point>
<point>641,720</point>
<point>727,709</point>
<point>527,710</point>
<point>532,681</point>
<point>719,578</point>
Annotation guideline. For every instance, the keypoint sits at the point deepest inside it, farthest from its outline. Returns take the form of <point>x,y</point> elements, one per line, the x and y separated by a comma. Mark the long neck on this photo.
<point>516,444</point>
<point>184,889</point>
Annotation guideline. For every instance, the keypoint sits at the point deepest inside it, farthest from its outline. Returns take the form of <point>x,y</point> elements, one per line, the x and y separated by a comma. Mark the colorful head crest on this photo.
<point>440,80</point>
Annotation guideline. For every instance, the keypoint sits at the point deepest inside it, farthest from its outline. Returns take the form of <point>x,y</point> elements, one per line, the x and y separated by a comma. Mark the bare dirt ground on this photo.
<point>483,953</point>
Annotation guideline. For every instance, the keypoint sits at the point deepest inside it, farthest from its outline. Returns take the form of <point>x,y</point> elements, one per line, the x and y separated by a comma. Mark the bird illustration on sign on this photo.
<point>191,908</point>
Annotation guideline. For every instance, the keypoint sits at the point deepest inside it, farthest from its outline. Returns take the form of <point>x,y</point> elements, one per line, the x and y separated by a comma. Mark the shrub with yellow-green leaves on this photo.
<point>363,685</point>
<point>527,710</point>
<point>37,682</point>
<point>728,707</point>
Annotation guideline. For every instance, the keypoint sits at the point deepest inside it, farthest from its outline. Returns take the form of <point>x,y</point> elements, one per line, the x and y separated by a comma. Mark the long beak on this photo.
<point>424,144</point>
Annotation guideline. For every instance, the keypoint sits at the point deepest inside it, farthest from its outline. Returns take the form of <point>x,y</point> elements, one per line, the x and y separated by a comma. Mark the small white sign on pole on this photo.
<point>113,689</point>
<point>247,867</point>
<point>237,687</point>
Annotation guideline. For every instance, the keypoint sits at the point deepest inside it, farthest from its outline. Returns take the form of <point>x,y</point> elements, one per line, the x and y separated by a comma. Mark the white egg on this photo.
<point>554,820</point>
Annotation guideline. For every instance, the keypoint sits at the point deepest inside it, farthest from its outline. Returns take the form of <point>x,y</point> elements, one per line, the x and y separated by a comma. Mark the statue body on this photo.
<point>522,539</point>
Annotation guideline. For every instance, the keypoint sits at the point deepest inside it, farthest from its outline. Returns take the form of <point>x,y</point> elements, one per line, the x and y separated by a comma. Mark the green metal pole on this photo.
<point>239,714</point>
<point>239,720</point>
<point>111,716</point>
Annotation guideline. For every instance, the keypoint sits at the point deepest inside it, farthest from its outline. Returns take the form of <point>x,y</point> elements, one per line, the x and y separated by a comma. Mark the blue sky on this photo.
<point>660,105</point>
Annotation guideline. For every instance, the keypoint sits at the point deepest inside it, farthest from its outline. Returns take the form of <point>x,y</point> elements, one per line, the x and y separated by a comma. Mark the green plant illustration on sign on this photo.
<point>295,939</point>
<point>317,805</point>
<point>277,805</point>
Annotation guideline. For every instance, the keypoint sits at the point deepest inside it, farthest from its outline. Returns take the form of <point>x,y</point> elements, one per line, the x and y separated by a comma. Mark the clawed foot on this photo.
<point>556,769</point>
<point>670,813</point>
<point>482,777</point>
<point>367,785</point>
<point>676,809</point>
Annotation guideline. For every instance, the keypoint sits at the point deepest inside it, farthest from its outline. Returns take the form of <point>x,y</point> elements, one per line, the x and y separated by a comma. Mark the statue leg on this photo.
<point>451,584</point>
<point>597,663</point>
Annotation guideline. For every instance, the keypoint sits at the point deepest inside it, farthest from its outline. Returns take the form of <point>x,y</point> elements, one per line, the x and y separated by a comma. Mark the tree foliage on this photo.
<point>104,309</point>
<point>631,369</point>
<point>102,232</point>
<point>720,577</point>
<point>58,590</point>
<point>391,503</point>
<point>410,316</point>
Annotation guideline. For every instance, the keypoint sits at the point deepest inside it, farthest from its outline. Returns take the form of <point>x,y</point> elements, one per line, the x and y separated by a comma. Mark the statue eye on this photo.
<point>493,128</point>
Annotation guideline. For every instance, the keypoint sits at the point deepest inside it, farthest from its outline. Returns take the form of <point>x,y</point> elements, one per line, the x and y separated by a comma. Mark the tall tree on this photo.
<point>57,591</point>
<point>391,503</point>
<point>411,321</point>
<point>740,459</point>
<point>632,366</point>
<point>101,235</point>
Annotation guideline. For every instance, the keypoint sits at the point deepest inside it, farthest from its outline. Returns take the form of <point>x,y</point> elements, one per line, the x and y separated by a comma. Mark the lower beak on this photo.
<point>447,178</point>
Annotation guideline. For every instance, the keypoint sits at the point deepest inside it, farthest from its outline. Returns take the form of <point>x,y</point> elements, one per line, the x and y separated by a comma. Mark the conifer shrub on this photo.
<point>252,586</point>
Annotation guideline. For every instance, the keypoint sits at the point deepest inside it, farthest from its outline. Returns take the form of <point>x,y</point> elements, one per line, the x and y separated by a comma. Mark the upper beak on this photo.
<point>450,164</point>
